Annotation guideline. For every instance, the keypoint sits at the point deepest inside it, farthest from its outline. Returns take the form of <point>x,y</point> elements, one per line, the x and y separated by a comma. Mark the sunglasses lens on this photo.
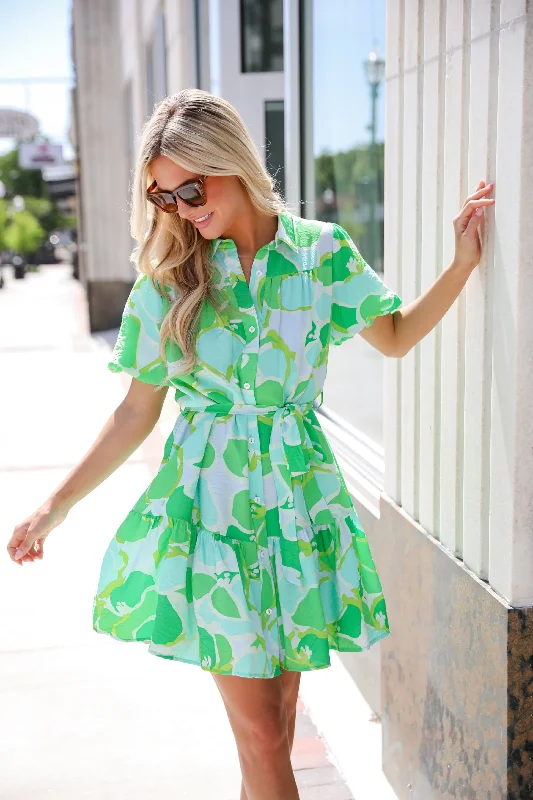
<point>164,201</point>
<point>191,195</point>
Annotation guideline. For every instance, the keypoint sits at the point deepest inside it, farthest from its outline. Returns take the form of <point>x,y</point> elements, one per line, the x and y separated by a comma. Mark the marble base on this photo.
<point>106,301</point>
<point>456,675</point>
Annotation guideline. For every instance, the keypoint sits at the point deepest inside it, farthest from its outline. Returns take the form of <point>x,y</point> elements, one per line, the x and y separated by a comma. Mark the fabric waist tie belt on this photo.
<point>289,456</point>
<point>288,448</point>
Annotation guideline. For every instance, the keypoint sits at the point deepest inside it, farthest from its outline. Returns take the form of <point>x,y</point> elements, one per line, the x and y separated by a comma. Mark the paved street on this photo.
<point>85,716</point>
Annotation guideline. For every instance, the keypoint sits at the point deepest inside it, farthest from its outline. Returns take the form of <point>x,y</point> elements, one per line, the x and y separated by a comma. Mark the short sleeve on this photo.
<point>358,293</point>
<point>137,347</point>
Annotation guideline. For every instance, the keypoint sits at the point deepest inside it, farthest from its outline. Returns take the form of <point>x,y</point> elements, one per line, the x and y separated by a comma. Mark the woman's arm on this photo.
<point>395,334</point>
<point>126,429</point>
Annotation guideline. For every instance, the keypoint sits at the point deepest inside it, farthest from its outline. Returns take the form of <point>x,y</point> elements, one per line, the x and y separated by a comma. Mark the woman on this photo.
<point>244,555</point>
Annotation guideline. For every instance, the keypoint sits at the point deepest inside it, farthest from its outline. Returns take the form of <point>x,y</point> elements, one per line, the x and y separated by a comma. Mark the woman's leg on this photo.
<point>262,715</point>
<point>291,685</point>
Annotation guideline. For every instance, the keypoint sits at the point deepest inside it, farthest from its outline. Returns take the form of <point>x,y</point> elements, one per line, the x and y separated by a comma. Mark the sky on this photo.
<point>35,42</point>
<point>344,33</point>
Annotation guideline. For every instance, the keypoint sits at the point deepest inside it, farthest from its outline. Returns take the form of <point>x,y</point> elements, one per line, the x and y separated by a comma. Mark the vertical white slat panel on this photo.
<point>430,260</point>
<point>478,335</point>
<point>449,525</point>
<point>393,221</point>
<point>506,266</point>
<point>512,9</point>
<point>394,35</point>
<point>394,62</point>
<point>481,19</point>
<point>522,577</point>
<point>411,141</point>
<point>454,24</point>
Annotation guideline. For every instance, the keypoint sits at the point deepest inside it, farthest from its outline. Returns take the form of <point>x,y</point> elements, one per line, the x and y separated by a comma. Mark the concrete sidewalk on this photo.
<point>85,716</point>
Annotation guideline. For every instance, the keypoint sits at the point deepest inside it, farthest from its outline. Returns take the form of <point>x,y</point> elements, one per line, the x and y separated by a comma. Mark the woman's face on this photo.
<point>225,195</point>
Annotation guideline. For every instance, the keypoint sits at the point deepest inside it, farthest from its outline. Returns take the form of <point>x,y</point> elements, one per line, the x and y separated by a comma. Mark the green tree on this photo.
<point>46,211</point>
<point>3,223</point>
<point>24,234</point>
<point>350,174</point>
<point>30,184</point>
<point>21,181</point>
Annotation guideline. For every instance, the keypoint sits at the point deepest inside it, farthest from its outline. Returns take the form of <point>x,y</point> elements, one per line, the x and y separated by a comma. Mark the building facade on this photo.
<point>382,120</point>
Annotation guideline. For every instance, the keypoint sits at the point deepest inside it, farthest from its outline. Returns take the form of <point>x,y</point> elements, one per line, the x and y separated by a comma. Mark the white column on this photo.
<point>102,139</point>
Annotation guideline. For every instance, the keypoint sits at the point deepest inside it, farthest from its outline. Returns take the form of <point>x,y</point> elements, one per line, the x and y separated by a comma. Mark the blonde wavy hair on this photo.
<point>205,134</point>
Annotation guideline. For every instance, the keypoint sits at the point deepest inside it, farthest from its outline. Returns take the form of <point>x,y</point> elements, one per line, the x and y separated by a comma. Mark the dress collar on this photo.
<point>285,233</point>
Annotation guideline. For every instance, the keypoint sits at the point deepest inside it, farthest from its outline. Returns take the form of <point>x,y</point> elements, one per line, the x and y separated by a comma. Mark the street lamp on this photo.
<point>375,71</point>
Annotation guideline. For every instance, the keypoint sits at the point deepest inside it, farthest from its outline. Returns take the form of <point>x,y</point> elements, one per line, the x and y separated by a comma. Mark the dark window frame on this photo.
<point>264,7</point>
<point>280,177</point>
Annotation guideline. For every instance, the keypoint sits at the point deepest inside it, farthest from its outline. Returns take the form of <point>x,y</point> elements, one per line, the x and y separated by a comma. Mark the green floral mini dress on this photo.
<point>245,554</point>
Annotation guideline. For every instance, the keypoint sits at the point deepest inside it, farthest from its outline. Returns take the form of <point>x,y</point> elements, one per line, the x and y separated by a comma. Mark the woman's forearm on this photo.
<point>415,320</point>
<point>119,438</point>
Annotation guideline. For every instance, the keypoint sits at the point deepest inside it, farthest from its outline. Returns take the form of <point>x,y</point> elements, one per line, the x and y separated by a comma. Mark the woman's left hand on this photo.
<point>466,225</point>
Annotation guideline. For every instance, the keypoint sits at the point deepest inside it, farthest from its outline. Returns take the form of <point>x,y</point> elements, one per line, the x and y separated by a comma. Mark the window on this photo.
<point>261,35</point>
<point>275,142</point>
<point>343,164</point>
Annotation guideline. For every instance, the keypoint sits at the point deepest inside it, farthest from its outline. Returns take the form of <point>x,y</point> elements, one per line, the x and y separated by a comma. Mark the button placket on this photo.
<point>251,348</point>
<point>247,297</point>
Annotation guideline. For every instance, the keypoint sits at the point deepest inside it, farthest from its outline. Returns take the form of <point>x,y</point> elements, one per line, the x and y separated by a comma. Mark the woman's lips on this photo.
<point>205,222</point>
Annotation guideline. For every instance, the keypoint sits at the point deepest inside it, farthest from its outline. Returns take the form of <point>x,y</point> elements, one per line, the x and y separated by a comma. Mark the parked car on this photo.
<point>45,254</point>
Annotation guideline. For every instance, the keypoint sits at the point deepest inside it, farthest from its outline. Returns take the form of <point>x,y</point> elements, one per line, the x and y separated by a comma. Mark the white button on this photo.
<point>251,439</point>
<point>257,499</point>
<point>262,554</point>
<point>252,536</point>
<point>259,273</point>
<point>251,328</point>
<point>268,611</point>
<point>246,385</point>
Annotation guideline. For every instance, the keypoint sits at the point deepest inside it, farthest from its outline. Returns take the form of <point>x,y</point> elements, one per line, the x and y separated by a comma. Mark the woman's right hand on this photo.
<point>29,535</point>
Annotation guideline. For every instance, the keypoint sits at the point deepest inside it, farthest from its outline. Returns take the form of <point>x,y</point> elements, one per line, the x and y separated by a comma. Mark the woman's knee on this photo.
<point>256,711</point>
<point>266,732</point>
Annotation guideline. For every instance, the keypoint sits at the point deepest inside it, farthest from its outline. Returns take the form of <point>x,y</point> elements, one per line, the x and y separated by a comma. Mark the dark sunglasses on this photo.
<point>192,193</point>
